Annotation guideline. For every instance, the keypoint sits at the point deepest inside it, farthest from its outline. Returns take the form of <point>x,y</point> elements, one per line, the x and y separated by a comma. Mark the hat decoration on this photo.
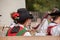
<point>15,15</point>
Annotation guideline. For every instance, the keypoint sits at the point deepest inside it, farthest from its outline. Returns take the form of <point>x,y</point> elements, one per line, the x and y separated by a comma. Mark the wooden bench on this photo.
<point>30,38</point>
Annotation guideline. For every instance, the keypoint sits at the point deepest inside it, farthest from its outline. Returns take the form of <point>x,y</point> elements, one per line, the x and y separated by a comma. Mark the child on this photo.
<point>54,27</point>
<point>22,19</point>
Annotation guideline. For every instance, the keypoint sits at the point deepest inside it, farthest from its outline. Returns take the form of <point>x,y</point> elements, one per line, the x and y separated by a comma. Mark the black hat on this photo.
<point>57,13</point>
<point>24,14</point>
<point>22,11</point>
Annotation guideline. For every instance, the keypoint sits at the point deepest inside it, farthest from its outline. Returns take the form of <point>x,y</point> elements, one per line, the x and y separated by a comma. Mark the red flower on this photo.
<point>15,15</point>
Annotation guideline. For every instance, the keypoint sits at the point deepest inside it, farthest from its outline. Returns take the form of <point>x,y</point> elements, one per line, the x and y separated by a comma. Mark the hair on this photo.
<point>54,17</point>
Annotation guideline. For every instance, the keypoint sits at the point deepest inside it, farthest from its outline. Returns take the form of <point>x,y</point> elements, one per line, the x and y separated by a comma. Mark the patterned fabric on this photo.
<point>20,33</point>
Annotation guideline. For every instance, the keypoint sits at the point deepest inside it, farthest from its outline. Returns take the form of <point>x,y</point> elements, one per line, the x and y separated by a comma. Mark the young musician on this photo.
<point>22,19</point>
<point>54,27</point>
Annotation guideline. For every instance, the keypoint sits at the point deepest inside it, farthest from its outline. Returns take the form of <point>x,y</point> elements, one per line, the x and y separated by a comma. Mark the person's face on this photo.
<point>59,20</point>
<point>28,22</point>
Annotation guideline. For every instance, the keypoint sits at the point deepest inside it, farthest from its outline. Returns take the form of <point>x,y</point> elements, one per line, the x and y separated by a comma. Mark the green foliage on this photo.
<point>42,5</point>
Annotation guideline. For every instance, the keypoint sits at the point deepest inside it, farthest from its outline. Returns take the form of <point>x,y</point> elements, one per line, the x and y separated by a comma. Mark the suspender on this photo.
<point>49,29</point>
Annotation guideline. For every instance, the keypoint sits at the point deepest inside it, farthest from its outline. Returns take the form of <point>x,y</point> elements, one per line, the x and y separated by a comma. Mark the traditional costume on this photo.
<point>22,31</point>
<point>19,18</point>
<point>42,28</point>
<point>54,28</point>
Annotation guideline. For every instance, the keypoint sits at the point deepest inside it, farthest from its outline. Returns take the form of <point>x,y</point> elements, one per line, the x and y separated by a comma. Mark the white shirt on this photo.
<point>12,25</point>
<point>55,31</point>
<point>43,28</point>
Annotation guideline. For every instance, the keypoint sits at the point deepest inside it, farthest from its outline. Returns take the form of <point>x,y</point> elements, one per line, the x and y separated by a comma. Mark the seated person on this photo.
<point>54,27</point>
<point>22,19</point>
